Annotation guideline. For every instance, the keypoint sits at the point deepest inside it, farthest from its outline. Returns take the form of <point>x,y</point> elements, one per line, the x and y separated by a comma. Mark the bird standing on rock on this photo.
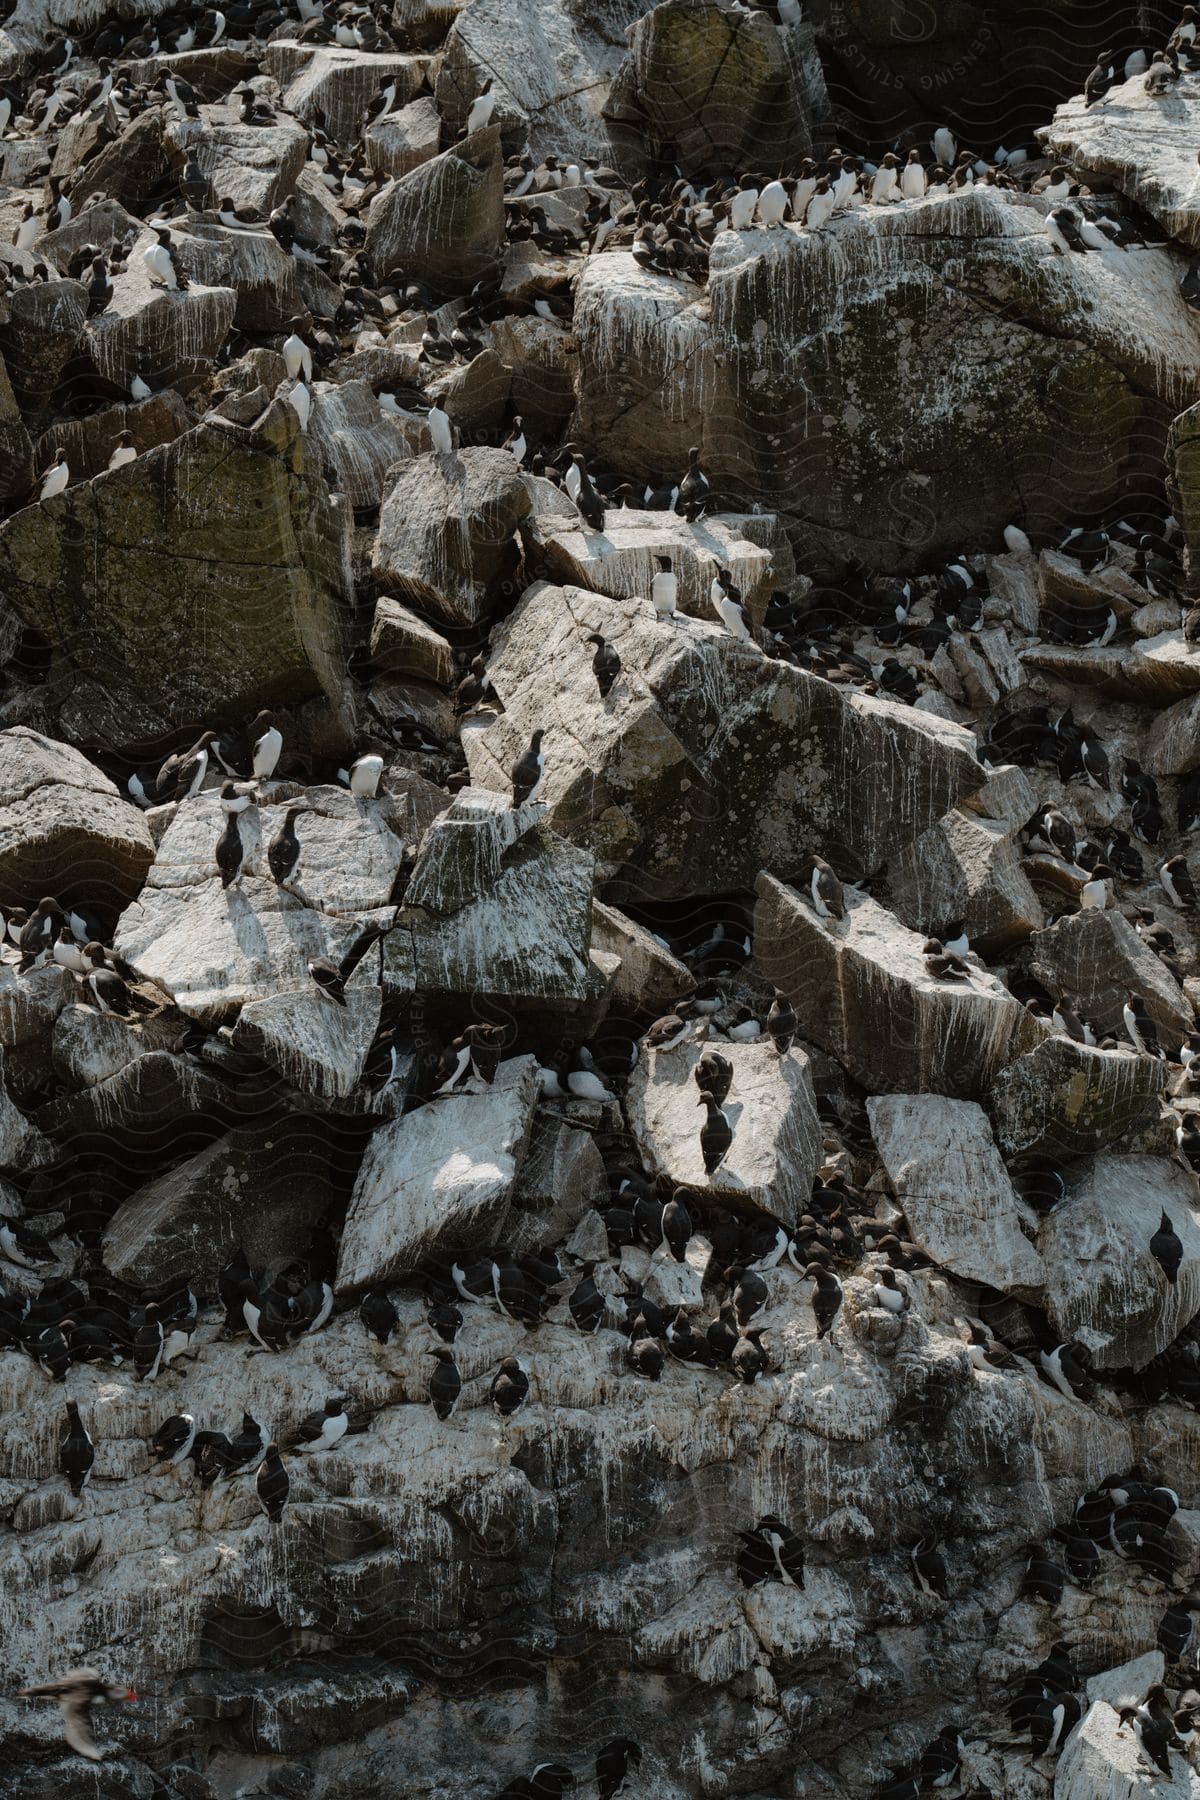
<point>527,771</point>
<point>606,664</point>
<point>716,1135</point>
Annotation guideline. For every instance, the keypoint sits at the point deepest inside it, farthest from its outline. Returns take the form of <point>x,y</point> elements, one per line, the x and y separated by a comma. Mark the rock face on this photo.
<point>441,1178</point>
<point>771,1162</point>
<point>222,637</point>
<point>1067,1099</point>
<point>659,778</point>
<point>446,530</point>
<point>497,907</point>
<point>947,1174</point>
<point>712,88</point>
<point>397,1041</point>
<point>1131,141</point>
<point>1103,1286</point>
<point>1056,353</point>
<point>63,828</point>
<point>861,989</point>
<point>443,221</point>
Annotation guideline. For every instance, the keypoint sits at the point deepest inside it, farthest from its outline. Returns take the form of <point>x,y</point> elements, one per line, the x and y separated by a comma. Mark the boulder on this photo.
<point>1013,580</point>
<point>968,868</point>
<point>440,1178</point>
<point>812,370</point>
<point>89,442</point>
<point>247,259</point>
<point>861,990</point>
<point>1065,587</point>
<point>252,165</point>
<point>552,77</point>
<point>319,1049</point>
<point>443,222</point>
<point>1153,670</point>
<point>22,1145</point>
<point>89,1046</point>
<point>261,1187</point>
<point>402,644</point>
<point>1183,454</point>
<point>132,168</point>
<point>473,395</point>
<point>620,560</point>
<point>1103,1287</point>
<point>64,829</point>
<point>215,950</point>
<point>145,598</point>
<point>960,1205</point>
<point>16,470</point>
<point>646,979</point>
<point>713,89</point>
<point>561,1178</point>
<point>180,333</point>
<point>1100,957</point>
<point>446,529</point>
<point>771,1107</point>
<point>670,781</point>
<point>1068,1099</point>
<point>497,906</point>
<point>540,357</point>
<point>340,83</point>
<point>405,138</point>
<point>1102,1761</point>
<point>1172,745</point>
<point>356,442</point>
<point>1143,146</point>
<point>40,325</point>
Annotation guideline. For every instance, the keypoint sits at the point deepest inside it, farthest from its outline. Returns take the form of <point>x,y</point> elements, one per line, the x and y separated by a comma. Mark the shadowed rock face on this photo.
<point>660,779</point>
<point>220,636</point>
<point>809,378</point>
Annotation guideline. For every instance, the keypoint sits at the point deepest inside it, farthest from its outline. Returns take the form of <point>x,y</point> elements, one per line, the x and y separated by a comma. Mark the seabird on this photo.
<point>929,1567</point>
<point>283,852</point>
<point>510,1387</point>
<point>266,744</point>
<point>163,264</point>
<point>322,1430</point>
<point>172,1442</point>
<point>614,1763</point>
<point>1139,1026</point>
<point>716,1134</point>
<point>76,1452</point>
<point>828,895</point>
<point>1176,879</point>
<point>272,1484</point>
<point>76,1693</point>
<point>694,488</point>
<point>331,977</point>
<point>826,1299</point>
<point>441,431</point>
<point>378,1315</point>
<point>664,588</point>
<point>606,664</point>
<point>713,1075</point>
<point>445,1384</point>
<point>527,771</point>
<point>230,851</point>
<point>56,476</point>
<point>1166,1247</point>
<point>481,108</point>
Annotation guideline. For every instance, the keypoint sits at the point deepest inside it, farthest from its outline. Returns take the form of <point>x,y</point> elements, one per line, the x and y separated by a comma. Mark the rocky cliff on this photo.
<point>598,765</point>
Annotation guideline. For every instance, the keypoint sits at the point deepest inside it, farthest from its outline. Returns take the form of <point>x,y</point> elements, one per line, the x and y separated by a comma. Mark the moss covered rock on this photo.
<point>194,585</point>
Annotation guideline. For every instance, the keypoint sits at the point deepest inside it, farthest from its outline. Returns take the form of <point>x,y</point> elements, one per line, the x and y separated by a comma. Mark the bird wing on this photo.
<point>77,1726</point>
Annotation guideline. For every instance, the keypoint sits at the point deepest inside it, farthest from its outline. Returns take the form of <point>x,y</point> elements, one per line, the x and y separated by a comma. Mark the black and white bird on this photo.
<point>929,1567</point>
<point>445,1384</point>
<point>664,588</point>
<point>331,977</point>
<point>1139,1026</point>
<point>826,891</point>
<point>56,476</point>
<point>163,263</point>
<point>322,1430</point>
<point>272,1484</point>
<point>1176,879</point>
<point>510,1388</point>
<point>827,1296</point>
<point>76,1693</point>
<point>528,770</point>
<point>172,1442</point>
<point>606,664</point>
<point>76,1451</point>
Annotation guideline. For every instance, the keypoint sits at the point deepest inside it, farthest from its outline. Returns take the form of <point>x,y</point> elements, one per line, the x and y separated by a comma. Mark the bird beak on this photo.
<point>130,1694</point>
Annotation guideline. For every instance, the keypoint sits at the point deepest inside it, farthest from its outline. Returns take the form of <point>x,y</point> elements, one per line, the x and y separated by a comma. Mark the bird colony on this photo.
<point>599,779</point>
